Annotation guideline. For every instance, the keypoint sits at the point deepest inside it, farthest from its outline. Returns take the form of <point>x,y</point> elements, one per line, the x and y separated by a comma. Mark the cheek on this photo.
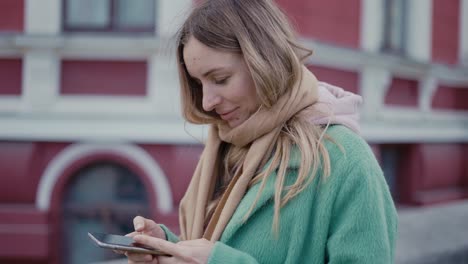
<point>247,98</point>
<point>242,92</point>
<point>252,97</point>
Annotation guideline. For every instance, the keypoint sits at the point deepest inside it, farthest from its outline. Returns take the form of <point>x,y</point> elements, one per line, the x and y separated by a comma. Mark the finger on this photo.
<point>141,224</point>
<point>154,261</point>
<point>119,251</point>
<point>132,234</point>
<point>135,257</point>
<point>165,260</point>
<point>160,244</point>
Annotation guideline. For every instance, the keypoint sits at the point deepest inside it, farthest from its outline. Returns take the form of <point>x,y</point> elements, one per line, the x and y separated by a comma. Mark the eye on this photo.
<point>221,81</point>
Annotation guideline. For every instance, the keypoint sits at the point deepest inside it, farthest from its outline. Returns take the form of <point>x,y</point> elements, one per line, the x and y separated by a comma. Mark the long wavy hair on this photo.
<point>260,32</point>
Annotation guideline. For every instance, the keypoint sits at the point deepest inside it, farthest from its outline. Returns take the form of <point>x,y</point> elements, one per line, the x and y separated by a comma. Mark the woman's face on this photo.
<point>228,88</point>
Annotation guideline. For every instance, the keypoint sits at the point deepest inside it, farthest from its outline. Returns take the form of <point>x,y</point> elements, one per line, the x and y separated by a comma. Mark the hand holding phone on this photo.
<point>123,243</point>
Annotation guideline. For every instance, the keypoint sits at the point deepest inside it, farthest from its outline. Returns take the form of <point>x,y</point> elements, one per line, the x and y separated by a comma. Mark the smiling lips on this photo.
<point>228,115</point>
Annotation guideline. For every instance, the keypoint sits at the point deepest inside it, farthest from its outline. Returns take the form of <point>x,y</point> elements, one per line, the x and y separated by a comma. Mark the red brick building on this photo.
<point>90,129</point>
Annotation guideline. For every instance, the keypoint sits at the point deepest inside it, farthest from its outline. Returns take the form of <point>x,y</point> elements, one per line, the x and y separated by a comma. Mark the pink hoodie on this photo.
<point>337,106</point>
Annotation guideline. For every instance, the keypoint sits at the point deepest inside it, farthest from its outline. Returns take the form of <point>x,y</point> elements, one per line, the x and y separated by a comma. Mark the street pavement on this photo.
<point>435,234</point>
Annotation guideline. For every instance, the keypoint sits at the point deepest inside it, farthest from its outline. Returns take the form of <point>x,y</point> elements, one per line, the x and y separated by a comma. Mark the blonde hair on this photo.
<point>260,32</point>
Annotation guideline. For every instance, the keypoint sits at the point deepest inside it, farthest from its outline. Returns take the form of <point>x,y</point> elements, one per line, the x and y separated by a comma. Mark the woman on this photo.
<point>277,182</point>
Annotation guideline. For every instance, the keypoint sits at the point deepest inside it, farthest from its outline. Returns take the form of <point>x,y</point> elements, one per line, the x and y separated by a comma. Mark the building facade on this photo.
<point>91,133</point>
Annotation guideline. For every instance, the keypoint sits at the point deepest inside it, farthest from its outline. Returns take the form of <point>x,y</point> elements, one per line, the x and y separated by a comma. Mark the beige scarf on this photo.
<point>262,130</point>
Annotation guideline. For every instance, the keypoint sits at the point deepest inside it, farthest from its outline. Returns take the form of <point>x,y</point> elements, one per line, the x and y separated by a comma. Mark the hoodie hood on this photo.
<point>336,106</point>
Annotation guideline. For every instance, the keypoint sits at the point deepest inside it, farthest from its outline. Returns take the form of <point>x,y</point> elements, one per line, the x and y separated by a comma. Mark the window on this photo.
<point>102,197</point>
<point>109,15</point>
<point>394,26</point>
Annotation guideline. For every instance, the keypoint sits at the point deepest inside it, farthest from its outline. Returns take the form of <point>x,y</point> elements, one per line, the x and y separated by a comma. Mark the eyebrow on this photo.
<point>212,70</point>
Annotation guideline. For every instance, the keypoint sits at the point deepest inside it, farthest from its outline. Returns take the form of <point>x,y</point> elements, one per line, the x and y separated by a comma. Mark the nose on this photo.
<point>210,99</point>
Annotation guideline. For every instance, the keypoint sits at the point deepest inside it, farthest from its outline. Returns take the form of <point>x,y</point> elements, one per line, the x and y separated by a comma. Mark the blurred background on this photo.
<point>91,133</point>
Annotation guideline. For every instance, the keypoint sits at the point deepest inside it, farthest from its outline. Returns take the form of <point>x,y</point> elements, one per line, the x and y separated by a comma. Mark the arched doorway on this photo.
<point>101,197</point>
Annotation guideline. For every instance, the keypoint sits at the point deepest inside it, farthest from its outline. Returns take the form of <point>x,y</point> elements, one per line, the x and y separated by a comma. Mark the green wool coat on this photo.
<point>347,218</point>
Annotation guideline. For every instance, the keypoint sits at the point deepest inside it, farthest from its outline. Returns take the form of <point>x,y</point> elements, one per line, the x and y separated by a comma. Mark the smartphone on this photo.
<point>122,243</point>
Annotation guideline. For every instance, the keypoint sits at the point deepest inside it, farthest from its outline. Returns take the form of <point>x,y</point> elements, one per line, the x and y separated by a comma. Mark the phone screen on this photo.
<point>123,243</point>
<point>114,239</point>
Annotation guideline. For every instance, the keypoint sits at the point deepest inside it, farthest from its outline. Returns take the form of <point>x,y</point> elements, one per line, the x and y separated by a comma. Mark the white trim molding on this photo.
<point>41,74</point>
<point>414,133</point>
<point>163,85</point>
<point>419,34</point>
<point>67,128</point>
<point>374,83</point>
<point>372,25</point>
<point>9,104</point>
<point>170,15</point>
<point>43,17</point>
<point>116,106</point>
<point>427,87</point>
<point>74,152</point>
<point>463,50</point>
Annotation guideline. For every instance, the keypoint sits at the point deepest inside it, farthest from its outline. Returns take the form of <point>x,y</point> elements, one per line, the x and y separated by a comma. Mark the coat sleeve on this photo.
<point>364,221</point>
<point>171,237</point>
<point>223,253</point>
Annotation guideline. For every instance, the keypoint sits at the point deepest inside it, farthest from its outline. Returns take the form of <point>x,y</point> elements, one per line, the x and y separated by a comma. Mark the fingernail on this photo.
<point>138,226</point>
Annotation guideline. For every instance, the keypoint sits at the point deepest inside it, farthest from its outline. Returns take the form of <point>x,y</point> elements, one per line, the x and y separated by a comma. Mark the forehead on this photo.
<point>199,58</point>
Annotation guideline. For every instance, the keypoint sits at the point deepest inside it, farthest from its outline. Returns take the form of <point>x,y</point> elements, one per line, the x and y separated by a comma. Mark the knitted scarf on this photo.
<point>261,130</point>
